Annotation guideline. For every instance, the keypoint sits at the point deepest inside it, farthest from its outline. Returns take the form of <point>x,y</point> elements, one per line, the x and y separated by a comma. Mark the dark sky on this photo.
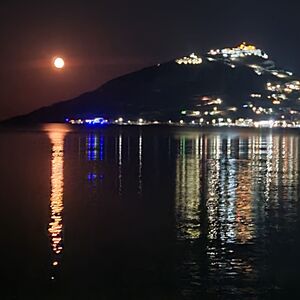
<point>103,39</point>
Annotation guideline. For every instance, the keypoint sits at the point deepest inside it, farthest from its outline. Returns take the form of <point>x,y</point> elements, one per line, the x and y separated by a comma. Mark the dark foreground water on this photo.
<point>149,213</point>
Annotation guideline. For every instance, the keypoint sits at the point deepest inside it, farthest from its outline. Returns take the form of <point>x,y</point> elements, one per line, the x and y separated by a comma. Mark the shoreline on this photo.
<point>184,127</point>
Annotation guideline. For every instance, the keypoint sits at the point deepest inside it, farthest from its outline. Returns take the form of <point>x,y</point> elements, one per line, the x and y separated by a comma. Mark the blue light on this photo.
<point>92,147</point>
<point>101,147</point>
<point>91,176</point>
<point>96,121</point>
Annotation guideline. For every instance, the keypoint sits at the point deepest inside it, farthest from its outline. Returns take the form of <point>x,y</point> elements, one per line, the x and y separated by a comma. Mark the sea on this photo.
<point>149,212</point>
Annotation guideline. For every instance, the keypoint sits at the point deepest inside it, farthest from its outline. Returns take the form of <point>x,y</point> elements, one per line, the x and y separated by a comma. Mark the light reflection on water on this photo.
<point>140,163</point>
<point>188,189</point>
<point>245,181</point>
<point>230,192</point>
<point>236,175</point>
<point>56,135</point>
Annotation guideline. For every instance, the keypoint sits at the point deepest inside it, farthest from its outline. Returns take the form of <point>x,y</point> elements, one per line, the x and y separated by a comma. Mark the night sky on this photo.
<point>100,40</point>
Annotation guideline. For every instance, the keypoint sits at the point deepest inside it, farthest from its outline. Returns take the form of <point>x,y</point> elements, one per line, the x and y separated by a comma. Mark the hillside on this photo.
<point>239,82</point>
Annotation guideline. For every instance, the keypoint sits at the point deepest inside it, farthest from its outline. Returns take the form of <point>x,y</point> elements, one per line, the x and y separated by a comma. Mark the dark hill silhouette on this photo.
<point>160,91</point>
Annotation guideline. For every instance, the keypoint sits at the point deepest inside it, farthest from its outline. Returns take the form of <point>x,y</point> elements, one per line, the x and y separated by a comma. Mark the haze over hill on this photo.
<point>231,83</point>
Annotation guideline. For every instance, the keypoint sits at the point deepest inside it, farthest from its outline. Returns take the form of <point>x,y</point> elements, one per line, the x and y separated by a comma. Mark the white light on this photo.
<point>59,63</point>
<point>193,59</point>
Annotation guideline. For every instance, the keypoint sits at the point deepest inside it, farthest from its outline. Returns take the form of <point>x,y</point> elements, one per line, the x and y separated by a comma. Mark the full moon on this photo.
<point>59,63</point>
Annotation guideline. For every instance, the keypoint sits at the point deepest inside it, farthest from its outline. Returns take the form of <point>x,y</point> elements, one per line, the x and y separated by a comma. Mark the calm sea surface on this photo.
<point>149,213</point>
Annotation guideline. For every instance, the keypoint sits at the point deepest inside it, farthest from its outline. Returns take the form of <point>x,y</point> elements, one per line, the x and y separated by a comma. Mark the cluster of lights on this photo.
<point>232,54</point>
<point>212,112</point>
<point>241,51</point>
<point>255,95</point>
<point>261,110</point>
<point>293,85</point>
<point>95,121</point>
<point>140,121</point>
<point>257,69</point>
<point>209,105</point>
<point>102,121</point>
<point>277,98</point>
<point>287,87</point>
<point>281,74</point>
<point>277,92</point>
<point>274,87</point>
<point>191,113</point>
<point>221,122</point>
<point>193,59</point>
<point>211,101</point>
<point>242,122</point>
<point>281,91</point>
